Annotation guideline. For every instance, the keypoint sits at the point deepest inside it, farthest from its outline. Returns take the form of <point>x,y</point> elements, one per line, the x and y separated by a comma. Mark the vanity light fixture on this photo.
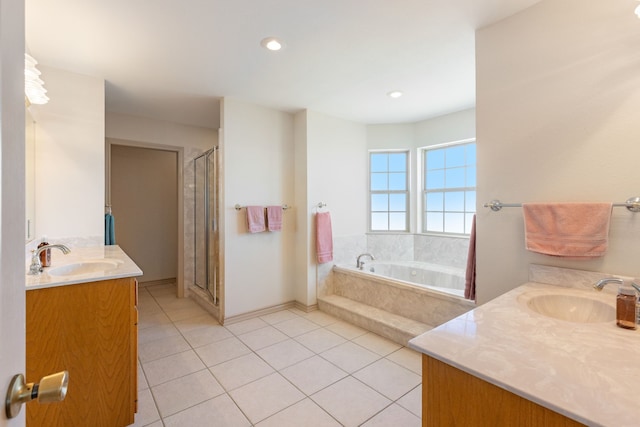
<point>395,94</point>
<point>33,85</point>
<point>271,43</point>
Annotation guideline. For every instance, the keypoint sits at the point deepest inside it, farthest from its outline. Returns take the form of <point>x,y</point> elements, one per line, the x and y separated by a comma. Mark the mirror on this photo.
<point>30,178</point>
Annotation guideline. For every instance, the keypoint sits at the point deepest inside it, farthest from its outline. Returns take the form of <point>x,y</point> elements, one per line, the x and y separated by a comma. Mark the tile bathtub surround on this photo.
<point>288,368</point>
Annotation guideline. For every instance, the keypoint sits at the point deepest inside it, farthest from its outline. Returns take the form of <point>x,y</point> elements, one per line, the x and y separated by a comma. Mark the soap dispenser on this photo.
<point>45,256</point>
<point>626,306</point>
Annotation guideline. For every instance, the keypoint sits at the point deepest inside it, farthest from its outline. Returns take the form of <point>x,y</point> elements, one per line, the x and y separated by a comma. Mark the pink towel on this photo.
<point>324,238</point>
<point>274,218</point>
<point>577,230</point>
<point>470,276</point>
<point>255,219</point>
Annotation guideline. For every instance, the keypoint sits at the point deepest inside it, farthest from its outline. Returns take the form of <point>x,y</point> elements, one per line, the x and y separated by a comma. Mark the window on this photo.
<point>449,194</point>
<point>389,190</point>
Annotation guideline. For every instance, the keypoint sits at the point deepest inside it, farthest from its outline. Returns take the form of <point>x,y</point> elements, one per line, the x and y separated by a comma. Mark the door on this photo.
<point>12,201</point>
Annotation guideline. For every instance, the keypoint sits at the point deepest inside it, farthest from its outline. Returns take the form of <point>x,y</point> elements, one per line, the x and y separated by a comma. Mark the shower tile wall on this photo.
<point>391,247</point>
<point>450,251</point>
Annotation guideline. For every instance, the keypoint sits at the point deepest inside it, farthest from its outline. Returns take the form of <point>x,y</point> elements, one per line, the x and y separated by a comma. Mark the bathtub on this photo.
<point>438,278</point>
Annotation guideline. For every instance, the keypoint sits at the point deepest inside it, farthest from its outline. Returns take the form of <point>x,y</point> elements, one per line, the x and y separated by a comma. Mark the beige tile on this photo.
<point>147,411</point>
<point>241,370</point>
<point>172,367</point>
<point>246,326</point>
<point>408,358</point>
<point>388,378</point>
<point>157,332</point>
<point>393,416</point>
<point>185,313</point>
<point>147,320</point>
<point>296,326</point>
<point>266,396</point>
<point>350,357</point>
<point>261,338</point>
<point>203,336</point>
<point>377,344</point>
<point>220,411</point>
<point>278,316</point>
<point>172,303</point>
<point>320,340</point>
<point>350,402</point>
<point>160,290</point>
<point>197,322</point>
<point>346,330</point>
<point>148,305</point>
<point>322,319</point>
<point>313,374</point>
<point>412,401</point>
<point>162,347</point>
<point>304,413</point>
<point>221,351</point>
<point>285,353</point>
<point>184,392</point>
<point>142,380</point>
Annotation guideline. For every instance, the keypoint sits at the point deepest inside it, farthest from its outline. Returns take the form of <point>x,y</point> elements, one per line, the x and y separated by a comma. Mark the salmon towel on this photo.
<point>255,219</point>
<point>274,218</point>
<point>576,230</point>
<point>324,237</point>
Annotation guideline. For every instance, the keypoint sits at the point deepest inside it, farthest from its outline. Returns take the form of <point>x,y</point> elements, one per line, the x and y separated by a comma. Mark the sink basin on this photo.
<point>572,308</point>
<point>85,267</point>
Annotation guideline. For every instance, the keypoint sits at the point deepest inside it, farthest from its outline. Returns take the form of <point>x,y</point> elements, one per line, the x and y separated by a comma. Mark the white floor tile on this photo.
<point>203,336</point>
<point>320,340</point>
<point>142,380</point>
<point>146,320</point>
<point>296,326</point>
<point>394,416</point>
<point>156,333</point>
<point>388,378</point>
<point>221,351</point>
<point>278,316</point>
<point>185,392</point>
<point>185,313</point>
<point>261,338</point>
<point>320,318</point>
<point>162,347</point>
<point>241,370</point>
<point>266,396</point>
<point>408,358</point>
<point>350,402</point>
<point>147,411</point>
<point>412,401</point>
<point>346,330</point>
<point>220,411</point>
<point>313,374</point>
<point>197,322</point>
<point>285,353</point>
<point>377,344</point>
<point>172,367</point>
<point>305,413</point>
<point>350,357</point>
<point>246,326</point>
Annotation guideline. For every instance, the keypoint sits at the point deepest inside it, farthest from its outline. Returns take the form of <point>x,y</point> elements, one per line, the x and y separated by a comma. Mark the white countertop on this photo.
<point>589,372</point>
<point>125,267</point>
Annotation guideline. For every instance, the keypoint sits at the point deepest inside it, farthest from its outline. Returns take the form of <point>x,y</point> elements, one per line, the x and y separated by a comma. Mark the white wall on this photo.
<point>257,148</point>
<point>70,156</point>
<point>558,95</point>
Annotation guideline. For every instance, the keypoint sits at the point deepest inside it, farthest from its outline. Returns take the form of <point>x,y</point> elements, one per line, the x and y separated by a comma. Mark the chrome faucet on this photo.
<point>359,263</point>
<point>600,283</point>
<point>36,265</point>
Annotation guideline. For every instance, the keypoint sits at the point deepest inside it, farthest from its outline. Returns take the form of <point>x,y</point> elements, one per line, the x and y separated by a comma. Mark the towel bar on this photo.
<point>632,204</point>
<point>238,207</point>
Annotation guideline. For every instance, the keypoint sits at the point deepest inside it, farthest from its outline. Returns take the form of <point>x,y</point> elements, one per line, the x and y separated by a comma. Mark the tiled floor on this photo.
<point>287,368</point>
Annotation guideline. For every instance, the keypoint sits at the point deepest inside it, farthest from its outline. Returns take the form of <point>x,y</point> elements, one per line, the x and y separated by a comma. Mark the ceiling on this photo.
<point>174,59</point>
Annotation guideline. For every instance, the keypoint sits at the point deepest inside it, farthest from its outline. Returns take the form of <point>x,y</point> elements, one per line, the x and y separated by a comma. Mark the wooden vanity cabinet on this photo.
<point>451,397</point>
<point>90,330</point>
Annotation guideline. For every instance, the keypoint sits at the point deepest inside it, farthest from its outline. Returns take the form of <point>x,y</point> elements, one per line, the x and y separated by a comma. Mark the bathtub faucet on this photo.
<point>359,263</point>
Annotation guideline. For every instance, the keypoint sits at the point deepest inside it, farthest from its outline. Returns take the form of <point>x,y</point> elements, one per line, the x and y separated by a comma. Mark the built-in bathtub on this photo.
<point>427,295</point>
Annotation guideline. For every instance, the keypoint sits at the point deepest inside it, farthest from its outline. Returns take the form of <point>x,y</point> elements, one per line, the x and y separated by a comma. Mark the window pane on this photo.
<point>454,201</point>
<point>398,202</point>
<point>435,180</point>
<point>470,203</point>
<point>455,156</point>
<point>379,221</point>
<point>379,202</point>
<point>434,222</point>
<point>397,221</point>
<point>471,154</point>
<point>435,202</point>
<point>398,162</point>
<point>454,223</point>
<point>379,182</point>
<point>455,178</point>
<point>435,159</point>
<point>397,181</point>
<point>471,176</point>
<point>379,162</point>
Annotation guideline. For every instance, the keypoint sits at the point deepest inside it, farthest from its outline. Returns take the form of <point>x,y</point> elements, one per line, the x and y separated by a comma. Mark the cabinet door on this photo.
<point>85,329</point>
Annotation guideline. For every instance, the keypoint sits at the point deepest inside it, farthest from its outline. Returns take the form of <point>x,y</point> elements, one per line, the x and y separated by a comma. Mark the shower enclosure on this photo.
<point>206,256</point>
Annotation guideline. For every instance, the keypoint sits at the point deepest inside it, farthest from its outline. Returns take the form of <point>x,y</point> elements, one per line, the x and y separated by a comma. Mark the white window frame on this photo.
<point>406,192</point>
<point>423,194</point>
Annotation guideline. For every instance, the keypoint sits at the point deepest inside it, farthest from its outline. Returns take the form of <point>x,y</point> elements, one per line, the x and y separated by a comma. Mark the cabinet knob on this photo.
<point>52,388</point>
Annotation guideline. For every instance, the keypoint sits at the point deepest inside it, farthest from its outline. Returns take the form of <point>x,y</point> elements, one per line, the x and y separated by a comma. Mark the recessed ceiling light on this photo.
<point>271,43</point>
<point>394,94</point>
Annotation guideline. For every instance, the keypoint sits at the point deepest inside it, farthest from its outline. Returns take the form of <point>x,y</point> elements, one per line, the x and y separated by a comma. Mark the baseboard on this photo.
<point>306,308</point>
<point>257,313</point>
<point>170,281</point>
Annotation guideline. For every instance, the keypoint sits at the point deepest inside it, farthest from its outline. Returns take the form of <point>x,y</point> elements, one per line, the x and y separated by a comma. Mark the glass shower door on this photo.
<point>205,216</point>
